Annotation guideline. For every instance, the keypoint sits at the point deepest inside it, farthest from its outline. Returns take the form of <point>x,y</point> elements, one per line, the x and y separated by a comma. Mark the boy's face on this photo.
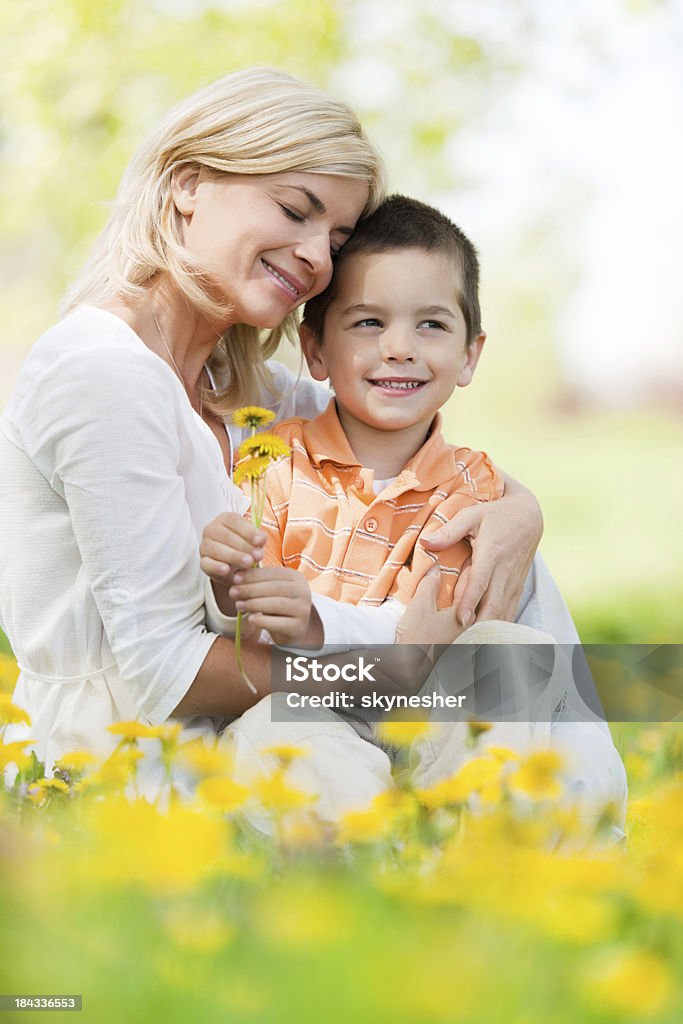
<point>394,344</point>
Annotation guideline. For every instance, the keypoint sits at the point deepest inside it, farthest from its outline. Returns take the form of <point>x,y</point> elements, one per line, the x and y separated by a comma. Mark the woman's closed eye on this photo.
<point>292,214</point>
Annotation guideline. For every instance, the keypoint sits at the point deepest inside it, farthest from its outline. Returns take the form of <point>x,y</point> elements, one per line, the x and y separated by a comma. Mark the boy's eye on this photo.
<point>369,321</point>
<point>292,214</point>
<point>435,325</point>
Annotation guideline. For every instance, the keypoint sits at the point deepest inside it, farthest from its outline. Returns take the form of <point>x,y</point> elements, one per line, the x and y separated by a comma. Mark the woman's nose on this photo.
<point>315,250</point>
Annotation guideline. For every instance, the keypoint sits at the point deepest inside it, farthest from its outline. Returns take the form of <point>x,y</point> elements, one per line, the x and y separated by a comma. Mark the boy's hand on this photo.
<point>230,543</point>
<point>279,600</point>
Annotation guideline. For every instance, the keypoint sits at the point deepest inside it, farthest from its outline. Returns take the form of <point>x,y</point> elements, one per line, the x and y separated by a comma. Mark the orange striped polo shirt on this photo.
<point>323,518</point>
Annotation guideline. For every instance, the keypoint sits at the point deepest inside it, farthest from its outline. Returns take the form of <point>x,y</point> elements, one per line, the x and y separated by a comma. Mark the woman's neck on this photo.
<point>165,322</point>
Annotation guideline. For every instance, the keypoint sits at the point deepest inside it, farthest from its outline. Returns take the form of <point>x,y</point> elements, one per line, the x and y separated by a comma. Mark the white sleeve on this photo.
<point>216,620</point>
<point>347,625</point>
<point>542,606</point>
<point>106,434</point>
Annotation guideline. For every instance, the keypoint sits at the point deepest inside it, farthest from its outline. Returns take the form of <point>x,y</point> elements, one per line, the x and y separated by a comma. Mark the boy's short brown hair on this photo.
<point>404,223</point>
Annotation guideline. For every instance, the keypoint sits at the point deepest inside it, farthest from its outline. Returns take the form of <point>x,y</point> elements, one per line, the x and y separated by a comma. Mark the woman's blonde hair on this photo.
<point>256,121</point>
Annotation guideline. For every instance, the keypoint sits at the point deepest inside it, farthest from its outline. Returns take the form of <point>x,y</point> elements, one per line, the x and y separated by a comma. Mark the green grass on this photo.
<point>609,482</point>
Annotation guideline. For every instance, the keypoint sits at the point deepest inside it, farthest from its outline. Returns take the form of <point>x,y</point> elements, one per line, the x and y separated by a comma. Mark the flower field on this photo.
<point>479,900</point>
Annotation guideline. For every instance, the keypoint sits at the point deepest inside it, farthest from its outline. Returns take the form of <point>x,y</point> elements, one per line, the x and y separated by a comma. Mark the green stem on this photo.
<point>238,652</point>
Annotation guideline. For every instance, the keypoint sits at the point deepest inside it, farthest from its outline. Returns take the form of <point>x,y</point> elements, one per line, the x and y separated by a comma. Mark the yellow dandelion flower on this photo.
<point>286,752</point>
<point>477,728</point>
<point>266,445</point>
<point>76,761</point>
<point>14,753</point>
<point>276,794</point>
<point>132,731</point>
<point>9,671</point>
<point>368,826</point>
<point>120,766</point>
<point>635,982</point>
<point>250,469</point>
<point>11,714</point>
<point>537,775</point>
<point>252,416</point>
<point>222,793</point>
<point>40,790</point>
<point>401,734</point>
<point>205,760</point>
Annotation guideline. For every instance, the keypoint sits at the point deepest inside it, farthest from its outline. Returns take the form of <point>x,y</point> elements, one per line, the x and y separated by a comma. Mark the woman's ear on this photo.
<point>313,352</point>
<point>472,354</point>
<point>184,181</point>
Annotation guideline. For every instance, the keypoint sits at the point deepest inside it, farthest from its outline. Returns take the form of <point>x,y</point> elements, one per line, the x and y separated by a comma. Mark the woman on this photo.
<point>113,450</point>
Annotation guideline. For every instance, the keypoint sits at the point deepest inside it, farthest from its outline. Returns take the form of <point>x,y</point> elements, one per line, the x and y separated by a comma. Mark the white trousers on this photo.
<point>345,771</point>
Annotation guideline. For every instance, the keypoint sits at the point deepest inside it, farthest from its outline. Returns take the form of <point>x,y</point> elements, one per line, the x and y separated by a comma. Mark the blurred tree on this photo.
<point>82,83</point>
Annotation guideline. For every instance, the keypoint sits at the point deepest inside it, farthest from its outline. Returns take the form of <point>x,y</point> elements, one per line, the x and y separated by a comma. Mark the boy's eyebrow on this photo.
<point>318,205</point>
<point>425,310</point>
<point>369,307</point>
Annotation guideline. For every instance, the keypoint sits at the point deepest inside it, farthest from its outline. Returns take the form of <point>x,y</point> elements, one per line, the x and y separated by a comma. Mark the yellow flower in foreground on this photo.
<point>277,795</point>
<point>379,820</point>
<point>251,469</point>
<point>222,793</point>
<point>40,790</point>
<point>481,775</point>
<point>132,731</point>
<point>11,714</point>
<point>537,775</point>
<point>269,445</point>
<point>203,759</point>
<point>252,416</point>
<point>132,842</point>
<point>76,761</point>
<point>14,753</point>
<point>630,981</point>
<point>401,734</point>
<point>9,671</point>
<point>286,752</point>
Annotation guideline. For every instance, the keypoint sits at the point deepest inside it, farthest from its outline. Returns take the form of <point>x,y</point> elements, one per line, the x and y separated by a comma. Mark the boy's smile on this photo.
<point>394,348</point>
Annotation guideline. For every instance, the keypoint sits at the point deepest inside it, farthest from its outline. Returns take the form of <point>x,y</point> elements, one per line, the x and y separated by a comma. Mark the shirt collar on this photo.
<point>432,465</point>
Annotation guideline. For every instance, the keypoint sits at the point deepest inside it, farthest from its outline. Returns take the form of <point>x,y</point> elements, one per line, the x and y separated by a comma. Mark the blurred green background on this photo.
<point>492,114</point>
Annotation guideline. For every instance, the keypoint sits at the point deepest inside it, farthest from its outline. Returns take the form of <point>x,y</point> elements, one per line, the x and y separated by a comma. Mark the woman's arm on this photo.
<point>504,536</point>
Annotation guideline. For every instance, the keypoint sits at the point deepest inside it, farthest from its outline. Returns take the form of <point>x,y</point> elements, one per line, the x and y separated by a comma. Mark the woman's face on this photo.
<point>268,240</point>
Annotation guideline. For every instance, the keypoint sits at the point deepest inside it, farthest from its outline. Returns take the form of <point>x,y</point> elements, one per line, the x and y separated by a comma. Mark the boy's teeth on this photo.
<point>284,280</point>
<point>401,384</point>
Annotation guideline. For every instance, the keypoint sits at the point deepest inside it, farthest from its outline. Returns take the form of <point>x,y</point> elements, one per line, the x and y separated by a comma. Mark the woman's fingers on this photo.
<point>463,525</point>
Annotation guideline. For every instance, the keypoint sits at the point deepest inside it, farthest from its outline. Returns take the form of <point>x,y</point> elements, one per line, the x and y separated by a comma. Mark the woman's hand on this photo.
<point>504,536</point>
<point>279,600</point>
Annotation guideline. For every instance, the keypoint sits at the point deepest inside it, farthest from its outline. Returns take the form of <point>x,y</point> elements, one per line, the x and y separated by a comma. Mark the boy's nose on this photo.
<point>397,346</point>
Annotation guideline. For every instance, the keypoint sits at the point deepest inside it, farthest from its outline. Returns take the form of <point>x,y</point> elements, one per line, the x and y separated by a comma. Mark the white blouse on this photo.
<point>107,479</point>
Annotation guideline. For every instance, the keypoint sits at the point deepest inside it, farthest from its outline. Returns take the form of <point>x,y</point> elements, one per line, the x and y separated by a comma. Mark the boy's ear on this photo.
<point>184,181</point>
<point>313,353</point>
<point>473,353</point>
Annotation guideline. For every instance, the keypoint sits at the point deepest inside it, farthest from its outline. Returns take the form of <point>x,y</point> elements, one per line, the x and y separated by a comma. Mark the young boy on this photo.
<point>396,331</point>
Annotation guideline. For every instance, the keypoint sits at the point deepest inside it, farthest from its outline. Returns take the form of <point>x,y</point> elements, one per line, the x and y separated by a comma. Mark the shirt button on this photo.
<point>371,525</point>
